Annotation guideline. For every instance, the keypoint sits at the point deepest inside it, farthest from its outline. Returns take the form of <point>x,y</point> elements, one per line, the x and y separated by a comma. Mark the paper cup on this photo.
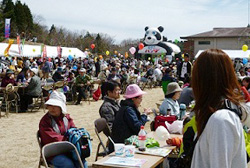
<point>129,150</point>
<point>119,149</point>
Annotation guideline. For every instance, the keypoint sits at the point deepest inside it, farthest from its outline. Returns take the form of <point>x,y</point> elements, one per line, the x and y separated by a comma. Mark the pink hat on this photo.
<point>132,91</point>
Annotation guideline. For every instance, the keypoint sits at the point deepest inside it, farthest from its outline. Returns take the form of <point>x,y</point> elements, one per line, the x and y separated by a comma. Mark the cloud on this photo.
<point>127,19</point>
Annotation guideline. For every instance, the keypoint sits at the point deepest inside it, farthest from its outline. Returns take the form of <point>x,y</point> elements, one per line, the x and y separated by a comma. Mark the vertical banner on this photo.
<point>6,51</point>
<point>7,28</point>
<point>18,44</point>
<point>59,51</point>
<point>44,52</point>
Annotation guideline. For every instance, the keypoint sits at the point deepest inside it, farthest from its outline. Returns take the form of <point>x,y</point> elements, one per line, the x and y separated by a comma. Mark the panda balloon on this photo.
<point>156,43</point>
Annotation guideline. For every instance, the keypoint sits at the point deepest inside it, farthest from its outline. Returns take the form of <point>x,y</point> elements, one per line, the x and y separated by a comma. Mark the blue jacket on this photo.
<point>128,122</point>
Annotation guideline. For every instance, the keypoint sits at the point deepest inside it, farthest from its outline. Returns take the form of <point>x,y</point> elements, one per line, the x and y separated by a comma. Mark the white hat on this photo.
<point>82,70</point>
<point>57,99</point>
<point>35,70</point>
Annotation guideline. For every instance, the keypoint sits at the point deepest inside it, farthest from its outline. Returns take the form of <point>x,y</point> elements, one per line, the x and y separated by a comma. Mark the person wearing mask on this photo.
<point>52,128</point>
<point>32,90</point>
<point>110,105</point>
<point>219,130</point>
<point>129,120</point>
<point>9,78</point>
<point>170,101</point>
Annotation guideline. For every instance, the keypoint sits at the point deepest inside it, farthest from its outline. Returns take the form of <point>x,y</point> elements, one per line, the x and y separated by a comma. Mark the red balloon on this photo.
<point>92,46</point>
<point>141,46</point>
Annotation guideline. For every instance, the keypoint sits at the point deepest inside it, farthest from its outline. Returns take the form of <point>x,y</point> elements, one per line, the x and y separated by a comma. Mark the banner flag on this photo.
<point>18,44</point>
<point>6,51</point>
<point>7,28</point>
<point>59,51</point>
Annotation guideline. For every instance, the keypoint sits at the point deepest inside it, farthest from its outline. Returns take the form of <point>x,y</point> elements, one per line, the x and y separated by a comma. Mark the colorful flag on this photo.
<point>59,51</point>
<point>22,47</point>
<point>6,51</point>
<point>44,52</point>
<point>7,28</point>
<point>18,44</point>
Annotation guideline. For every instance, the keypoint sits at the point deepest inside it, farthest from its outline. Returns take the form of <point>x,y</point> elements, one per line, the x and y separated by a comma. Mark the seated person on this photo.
<point>52,128</point>
<point>128,120</point>
<point>57,76</point>
<point>113,75</point>
<point>110,105</point>
<point>82,81</point>
<point>9,78</point>
<point>170,101</point>
<point>21,77</point>
<point>32,90</point>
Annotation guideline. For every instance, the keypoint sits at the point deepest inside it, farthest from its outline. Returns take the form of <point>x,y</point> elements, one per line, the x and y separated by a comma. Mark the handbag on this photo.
<point>160,120</point>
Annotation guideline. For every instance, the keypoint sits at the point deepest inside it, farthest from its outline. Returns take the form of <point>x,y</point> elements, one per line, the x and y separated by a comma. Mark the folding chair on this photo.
<point>38,102</point>
<point>41,162</point>
<point>11,97</point>
<point>102,126</point>
<point>57,148</point>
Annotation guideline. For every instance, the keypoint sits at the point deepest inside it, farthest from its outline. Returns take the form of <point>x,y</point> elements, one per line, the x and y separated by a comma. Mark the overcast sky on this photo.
<point>123,19</point>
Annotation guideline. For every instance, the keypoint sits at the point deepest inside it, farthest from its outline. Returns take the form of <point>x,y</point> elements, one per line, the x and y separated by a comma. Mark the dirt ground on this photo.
<point>18,144</point>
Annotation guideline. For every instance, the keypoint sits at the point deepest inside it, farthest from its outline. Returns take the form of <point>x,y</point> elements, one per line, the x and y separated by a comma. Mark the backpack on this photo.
<point>81,139</point>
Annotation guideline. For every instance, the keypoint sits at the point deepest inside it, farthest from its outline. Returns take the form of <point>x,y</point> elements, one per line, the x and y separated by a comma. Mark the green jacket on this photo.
<point>82,80</point>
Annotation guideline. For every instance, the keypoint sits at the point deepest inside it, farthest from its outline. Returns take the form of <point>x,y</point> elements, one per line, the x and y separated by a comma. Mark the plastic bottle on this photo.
<point>182,111</point>
<point>142,139</point>
<point>168,111</point>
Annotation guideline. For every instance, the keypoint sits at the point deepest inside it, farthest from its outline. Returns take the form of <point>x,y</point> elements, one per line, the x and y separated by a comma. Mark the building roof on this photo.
<point>222,32</point>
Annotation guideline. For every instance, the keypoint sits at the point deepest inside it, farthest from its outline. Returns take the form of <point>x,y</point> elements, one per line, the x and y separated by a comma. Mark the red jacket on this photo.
<point>246,94</point>
<point>48,134</point>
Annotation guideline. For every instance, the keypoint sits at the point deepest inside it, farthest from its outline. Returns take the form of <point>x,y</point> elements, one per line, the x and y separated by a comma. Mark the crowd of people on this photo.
<point>210,81</point>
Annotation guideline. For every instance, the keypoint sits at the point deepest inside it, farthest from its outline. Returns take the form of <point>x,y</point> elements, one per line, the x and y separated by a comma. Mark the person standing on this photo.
<point>184,67</point>
<point>219,130</point>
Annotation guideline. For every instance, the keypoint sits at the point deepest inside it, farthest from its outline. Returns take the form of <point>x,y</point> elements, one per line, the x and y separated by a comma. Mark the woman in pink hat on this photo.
<point>129,120</point>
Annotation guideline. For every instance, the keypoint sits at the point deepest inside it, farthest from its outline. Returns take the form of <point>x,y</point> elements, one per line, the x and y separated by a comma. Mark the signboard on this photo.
<point>157,50</point>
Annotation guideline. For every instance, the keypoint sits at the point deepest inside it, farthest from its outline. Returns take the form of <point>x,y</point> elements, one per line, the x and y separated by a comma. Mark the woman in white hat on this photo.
<point>170,102</point>
<point>54,125</point>
<point>129,120</point>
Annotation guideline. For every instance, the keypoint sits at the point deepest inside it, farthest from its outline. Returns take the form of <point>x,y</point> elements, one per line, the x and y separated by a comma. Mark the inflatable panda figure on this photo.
<point>153,36</point>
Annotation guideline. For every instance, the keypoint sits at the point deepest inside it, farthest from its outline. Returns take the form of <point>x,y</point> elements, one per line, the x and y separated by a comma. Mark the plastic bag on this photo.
<point>162,133</point>
<point>175,127</point>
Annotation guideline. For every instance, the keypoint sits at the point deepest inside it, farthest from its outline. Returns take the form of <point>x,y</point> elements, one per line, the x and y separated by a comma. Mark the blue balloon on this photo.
<point>70,57</point>
<point>75,67</point>
<point>244,61</point>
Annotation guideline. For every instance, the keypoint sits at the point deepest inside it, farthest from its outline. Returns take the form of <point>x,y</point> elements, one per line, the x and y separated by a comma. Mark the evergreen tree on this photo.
<point>20,18</point>
<point>28,18</point>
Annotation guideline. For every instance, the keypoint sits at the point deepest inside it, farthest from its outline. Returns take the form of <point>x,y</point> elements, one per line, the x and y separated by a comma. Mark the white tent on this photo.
<point>75,52</point>
<point>28,50</point>
<point>231,53</point>
<point>35,51</point>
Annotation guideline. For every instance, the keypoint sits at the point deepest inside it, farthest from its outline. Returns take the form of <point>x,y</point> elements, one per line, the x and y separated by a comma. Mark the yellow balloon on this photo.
<point>107,52</point>
<point>149,58</point>
<point>34,50</point>
<point>244,47</point>
<point>69,50</point>
<point>182,55</point>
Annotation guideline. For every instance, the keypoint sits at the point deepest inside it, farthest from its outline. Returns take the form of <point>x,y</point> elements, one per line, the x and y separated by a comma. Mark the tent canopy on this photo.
<point>231,53</point>
<point>36,51</point>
